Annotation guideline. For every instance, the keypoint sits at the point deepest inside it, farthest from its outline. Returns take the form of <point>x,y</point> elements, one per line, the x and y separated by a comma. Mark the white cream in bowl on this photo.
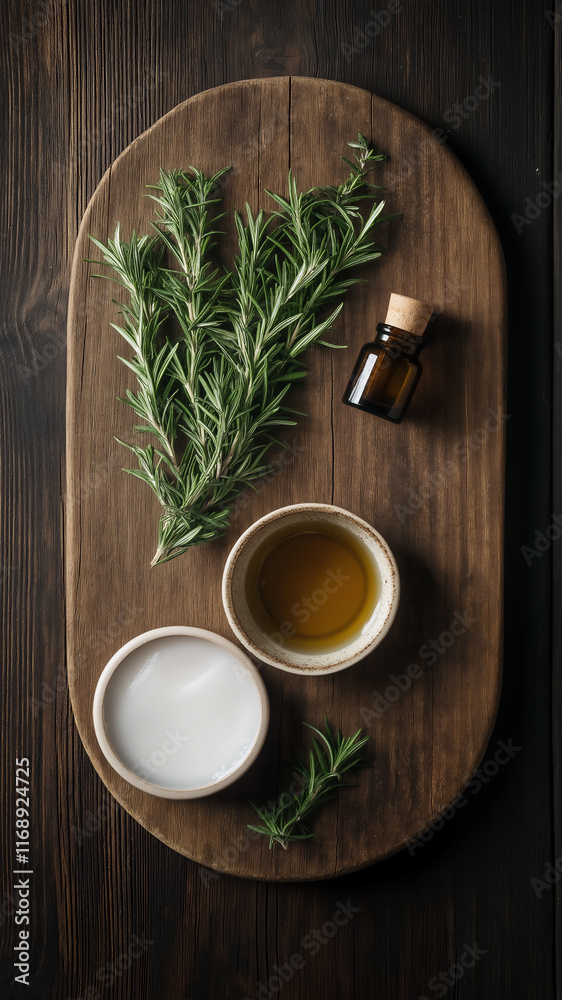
<point>180,712</point>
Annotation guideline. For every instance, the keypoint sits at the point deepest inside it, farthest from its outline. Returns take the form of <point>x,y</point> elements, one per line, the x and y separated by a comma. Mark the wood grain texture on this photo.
<point>81,82</point>
<point>443,517</point>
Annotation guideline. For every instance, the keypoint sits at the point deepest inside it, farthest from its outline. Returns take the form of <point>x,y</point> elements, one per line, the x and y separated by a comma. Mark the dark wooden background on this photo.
<point>81,79</point>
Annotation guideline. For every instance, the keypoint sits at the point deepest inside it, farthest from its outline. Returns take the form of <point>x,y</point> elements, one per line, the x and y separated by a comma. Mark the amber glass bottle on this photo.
<point>388,370</point>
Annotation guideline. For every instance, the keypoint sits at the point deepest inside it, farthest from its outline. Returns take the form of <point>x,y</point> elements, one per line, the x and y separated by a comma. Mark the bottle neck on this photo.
<point>402,341</point>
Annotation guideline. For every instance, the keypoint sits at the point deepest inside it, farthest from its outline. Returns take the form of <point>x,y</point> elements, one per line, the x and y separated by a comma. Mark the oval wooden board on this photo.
<point>433,486</point>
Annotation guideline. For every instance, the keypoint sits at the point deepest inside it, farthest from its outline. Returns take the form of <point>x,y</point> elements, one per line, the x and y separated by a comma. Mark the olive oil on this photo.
<point>312,587</point>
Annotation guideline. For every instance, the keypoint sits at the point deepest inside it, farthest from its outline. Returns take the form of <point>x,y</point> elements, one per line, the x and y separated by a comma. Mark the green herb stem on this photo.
<point>321,776</point>
<point>216,352</point>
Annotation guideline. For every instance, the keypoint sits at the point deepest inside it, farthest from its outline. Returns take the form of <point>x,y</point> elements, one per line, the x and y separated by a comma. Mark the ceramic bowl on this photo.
<point>180,712</point>
<point>264,645</point>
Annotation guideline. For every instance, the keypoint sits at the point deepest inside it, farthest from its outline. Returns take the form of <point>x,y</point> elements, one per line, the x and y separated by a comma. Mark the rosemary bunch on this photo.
<point>321,776</point>
<point>213,393</point>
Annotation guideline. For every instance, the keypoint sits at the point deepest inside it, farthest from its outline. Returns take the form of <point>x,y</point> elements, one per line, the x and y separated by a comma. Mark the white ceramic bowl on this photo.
<point>180,712</point>
<point>261,644</point>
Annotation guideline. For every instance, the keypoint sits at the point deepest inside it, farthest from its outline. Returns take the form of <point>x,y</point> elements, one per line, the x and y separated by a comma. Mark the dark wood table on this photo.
<point>471,912</point>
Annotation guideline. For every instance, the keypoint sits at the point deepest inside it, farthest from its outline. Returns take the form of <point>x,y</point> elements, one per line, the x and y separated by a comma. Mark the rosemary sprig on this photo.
<point>213,392</point>
<point>321,777</point>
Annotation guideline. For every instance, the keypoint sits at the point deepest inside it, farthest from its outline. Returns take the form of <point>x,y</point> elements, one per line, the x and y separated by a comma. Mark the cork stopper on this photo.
<point>408,314</point>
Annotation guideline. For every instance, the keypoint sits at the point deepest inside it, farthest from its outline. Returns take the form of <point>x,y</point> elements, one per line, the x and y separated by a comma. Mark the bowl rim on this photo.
<point>309,670</point>
<point>162,791</point>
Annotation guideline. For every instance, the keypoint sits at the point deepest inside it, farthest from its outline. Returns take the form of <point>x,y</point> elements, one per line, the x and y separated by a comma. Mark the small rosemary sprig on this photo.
<point>212,389</point>
<point>329,760</point>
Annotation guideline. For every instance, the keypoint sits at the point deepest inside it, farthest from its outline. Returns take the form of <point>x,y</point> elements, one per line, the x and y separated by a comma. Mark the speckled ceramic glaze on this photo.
<point>262,645</point>
<point>180,712</point>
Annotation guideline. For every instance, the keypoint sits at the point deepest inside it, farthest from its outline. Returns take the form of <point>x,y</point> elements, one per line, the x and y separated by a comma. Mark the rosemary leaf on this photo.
<point>332,756</point>
<point>215,352</point>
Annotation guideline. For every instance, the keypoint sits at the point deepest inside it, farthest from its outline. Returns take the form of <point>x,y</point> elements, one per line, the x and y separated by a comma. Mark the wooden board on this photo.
<point>433,486</point>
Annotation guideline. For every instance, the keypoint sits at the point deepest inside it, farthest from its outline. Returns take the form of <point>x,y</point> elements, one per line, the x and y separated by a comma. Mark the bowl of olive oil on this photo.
<point>310,588</point>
